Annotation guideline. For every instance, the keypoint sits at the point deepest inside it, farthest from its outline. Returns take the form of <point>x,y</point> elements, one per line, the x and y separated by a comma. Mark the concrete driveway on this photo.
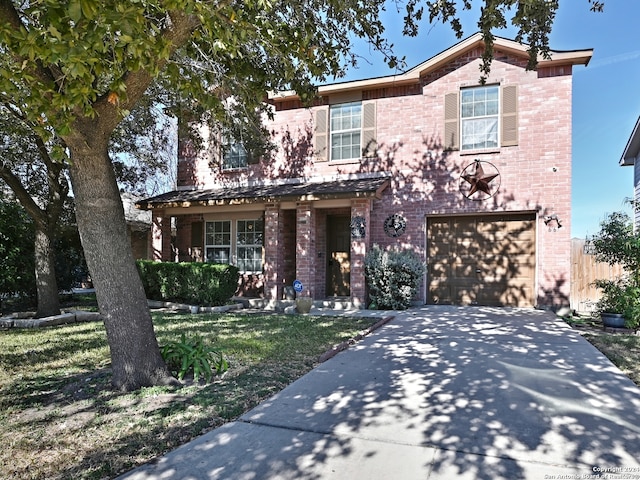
<point>439,392</point>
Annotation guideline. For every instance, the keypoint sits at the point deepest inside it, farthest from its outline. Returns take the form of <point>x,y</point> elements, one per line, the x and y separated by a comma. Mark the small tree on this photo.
<point>393,277</point>
<point>616,243</point>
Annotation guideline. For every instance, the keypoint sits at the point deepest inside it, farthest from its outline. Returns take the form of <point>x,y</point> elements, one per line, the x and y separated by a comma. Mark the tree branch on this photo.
<point>178,32</point>
<point>23,196</point>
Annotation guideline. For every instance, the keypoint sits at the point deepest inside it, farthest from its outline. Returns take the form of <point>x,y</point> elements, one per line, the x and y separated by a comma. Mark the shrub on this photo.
<point>199,283</point>
<point>617,243</point>
<point>193,356</point>
<point>393,277</point>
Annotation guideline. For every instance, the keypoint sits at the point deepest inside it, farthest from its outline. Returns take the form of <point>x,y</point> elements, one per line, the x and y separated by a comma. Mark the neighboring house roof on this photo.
<point>632,151</point>
<point>136,219</point>
<point>557,57</point>
<point>362,187</point>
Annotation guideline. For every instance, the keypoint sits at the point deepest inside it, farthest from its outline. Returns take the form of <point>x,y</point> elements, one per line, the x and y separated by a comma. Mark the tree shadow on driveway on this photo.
<point>439,392</point>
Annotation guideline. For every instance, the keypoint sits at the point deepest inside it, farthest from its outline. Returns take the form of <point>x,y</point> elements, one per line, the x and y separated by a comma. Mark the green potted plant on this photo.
<point>619,305</point>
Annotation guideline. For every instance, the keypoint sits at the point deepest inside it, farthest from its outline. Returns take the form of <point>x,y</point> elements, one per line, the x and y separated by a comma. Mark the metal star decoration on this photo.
<point>479,180</point>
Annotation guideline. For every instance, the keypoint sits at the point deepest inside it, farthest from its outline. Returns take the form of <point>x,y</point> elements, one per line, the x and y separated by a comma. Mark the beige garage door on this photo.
<point>482,260</point>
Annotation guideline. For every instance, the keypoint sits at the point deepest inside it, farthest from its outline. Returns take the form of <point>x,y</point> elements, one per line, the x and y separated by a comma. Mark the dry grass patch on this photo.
<point>623,350</point>
<point>59,419</point>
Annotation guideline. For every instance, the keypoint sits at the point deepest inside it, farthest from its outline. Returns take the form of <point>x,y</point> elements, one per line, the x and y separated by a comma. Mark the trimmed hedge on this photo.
<point>205,284</point>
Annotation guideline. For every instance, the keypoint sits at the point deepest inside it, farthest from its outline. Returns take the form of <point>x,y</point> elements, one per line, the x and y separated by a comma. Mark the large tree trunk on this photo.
<point>46,285</point>
<point>135,356</point>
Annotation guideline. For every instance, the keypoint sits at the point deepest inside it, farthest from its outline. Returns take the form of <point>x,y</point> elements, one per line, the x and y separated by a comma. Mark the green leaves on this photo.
<point>393,277</point>
<point>64,56</point>
<point>192,355</point>
<point>616,242</point>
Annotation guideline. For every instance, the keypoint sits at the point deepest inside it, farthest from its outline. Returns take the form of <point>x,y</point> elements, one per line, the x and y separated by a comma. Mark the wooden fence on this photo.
<point>584,270</point>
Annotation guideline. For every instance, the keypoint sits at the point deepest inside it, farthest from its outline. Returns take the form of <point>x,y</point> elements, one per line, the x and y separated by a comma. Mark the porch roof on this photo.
<point>353,188</point>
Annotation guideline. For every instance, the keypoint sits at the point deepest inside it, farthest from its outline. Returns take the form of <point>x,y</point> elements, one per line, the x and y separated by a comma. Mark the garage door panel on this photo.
<point>439,269</point>
<point>484,260</point>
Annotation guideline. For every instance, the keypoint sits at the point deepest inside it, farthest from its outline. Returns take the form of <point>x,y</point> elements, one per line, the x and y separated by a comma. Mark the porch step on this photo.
<point>284,305</point>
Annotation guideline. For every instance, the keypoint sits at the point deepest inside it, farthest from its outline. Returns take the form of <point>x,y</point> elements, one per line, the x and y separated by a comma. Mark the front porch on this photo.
<point>318,236</point>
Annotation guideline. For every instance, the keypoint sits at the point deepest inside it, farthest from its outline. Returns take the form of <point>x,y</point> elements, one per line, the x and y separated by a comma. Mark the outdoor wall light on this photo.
<point>552,218</point>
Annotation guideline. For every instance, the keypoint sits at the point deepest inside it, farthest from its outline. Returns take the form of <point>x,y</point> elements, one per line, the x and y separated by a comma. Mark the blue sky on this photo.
<point>606,93</point>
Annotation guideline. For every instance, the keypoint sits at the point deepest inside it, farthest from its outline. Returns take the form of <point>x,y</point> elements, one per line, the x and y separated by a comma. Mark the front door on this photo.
<point>338,256</point>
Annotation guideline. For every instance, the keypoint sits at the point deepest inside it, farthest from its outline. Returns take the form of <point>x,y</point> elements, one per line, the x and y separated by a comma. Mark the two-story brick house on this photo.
<point>475,178</point>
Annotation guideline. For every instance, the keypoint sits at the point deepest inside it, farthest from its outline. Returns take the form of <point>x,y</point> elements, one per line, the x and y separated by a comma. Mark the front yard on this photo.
<point>60,420</point>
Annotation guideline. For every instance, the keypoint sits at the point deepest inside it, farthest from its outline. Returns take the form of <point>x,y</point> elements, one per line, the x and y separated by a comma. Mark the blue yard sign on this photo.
<point>297,286</point>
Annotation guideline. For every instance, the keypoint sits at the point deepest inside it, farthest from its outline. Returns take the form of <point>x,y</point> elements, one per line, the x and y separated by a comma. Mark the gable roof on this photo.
<point>632,149</point>
<point>413,75</point>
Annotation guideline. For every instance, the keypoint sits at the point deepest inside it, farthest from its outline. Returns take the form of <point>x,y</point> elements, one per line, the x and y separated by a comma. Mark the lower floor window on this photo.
<point>244,238</point>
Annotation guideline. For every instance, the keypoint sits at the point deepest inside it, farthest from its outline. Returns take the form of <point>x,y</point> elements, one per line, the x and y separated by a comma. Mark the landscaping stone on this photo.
<point>19,320</point>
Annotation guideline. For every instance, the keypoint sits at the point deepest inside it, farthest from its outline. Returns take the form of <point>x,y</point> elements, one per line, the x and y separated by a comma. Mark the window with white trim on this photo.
<point>479,116</point>
<point>235,156</point>
<point>217,239</point>
<point>249,242</point>
<point>243,237</point>
<point>345,127</point>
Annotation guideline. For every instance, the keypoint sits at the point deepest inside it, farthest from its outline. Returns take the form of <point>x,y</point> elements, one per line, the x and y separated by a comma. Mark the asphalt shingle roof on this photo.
<point>354,188</point>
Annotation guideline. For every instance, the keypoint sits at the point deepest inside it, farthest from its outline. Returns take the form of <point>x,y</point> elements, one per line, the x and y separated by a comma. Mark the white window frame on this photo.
<point>250,244</point>
<point>345,123</point>
<point>219,239</point>
<point>213,244</point>
<point>234,154</point>
<point>480,117</point>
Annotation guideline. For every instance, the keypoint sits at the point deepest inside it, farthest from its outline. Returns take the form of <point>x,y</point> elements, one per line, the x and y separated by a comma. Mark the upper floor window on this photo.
<point>234,155</point>
<point>345,128</point>
<point>483,117</point>
<point>479,115</point>
<point>345,132</point>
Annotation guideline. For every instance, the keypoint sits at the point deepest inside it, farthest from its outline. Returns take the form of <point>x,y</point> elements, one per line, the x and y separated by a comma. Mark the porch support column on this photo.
<point>306,247</point>
<point>360,208</point>
<point>273,252</point>
<point>161,237</point>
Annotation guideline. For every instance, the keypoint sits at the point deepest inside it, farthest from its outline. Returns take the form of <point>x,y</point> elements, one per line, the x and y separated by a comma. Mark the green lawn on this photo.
<point>59,418</point>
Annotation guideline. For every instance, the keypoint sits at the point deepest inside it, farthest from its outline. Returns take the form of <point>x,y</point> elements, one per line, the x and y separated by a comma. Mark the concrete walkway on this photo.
<point>439,392</point>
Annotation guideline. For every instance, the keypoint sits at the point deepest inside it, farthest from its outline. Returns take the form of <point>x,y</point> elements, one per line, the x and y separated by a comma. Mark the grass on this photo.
<point>623,349</point>
<point>60,419</point>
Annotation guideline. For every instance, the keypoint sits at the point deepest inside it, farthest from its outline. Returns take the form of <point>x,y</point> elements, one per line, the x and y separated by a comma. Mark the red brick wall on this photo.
<point>535,174</point>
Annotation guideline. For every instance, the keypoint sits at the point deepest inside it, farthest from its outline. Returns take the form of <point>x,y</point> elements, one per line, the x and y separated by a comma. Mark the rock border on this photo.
<point>157,304</point>
<point>72,316</point>
<point>26,320</point>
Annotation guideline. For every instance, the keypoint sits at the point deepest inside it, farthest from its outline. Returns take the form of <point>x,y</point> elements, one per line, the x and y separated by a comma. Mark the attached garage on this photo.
<point>482,260</point>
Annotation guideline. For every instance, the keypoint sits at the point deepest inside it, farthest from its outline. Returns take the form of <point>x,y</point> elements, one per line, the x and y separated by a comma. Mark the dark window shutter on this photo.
<point>451,122</point>
<point>197,234</point>
<point>252,157</point>
<point>369,144</point>
<point>321,135</point>
<point>509,130</point>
